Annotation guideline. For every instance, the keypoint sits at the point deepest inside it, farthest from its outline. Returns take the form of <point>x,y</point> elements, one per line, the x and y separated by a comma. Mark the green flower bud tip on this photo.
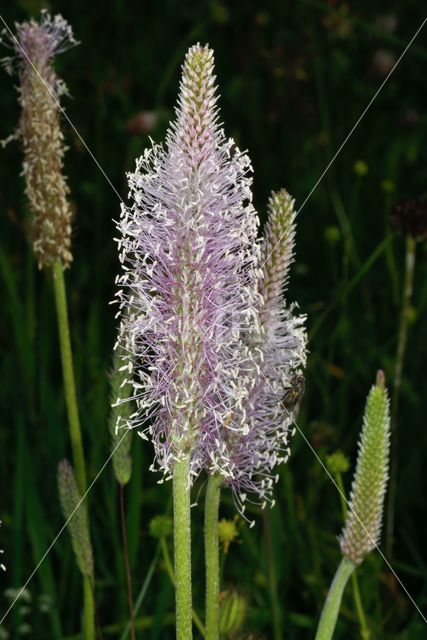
<point>362,529</point>
<point>227,532</point>
<point>233,611</point>
<point>337,463</point>
<point>160,527</point>
<point>77,520</point>
<point>121,435</point>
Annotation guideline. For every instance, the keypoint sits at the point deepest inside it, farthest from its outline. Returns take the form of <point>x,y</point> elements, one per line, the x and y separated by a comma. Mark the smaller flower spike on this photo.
<point>76,518</point>
<point>277,252</point>
<point>35,46</point>
<point>362,529</point>
<point>278,347</point>
<point>121,436</point>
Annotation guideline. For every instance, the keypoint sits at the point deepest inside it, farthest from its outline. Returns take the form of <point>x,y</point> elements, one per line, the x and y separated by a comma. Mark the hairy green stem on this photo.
<point>213,494</point>
<point>272,578</point>
<point>68,374</point>
<point>88,610</point>
<point>74,425</point>
<point>398,370</point>
<point>182,548</point>
<point>332,605</point>
<point>126,559</point>
<point>169,568</point>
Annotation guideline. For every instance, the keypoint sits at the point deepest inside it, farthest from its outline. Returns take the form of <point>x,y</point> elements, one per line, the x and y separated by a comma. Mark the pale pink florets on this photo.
<point>211,347</point>
<point>278,346</point>
<point>189,251</point>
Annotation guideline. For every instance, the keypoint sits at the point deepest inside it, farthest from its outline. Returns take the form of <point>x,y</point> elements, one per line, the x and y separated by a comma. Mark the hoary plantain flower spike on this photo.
<point>276,383</point>
<point>188,288</point>
<point>121,411</point>
<point>76,518</point>
<point>362,529</point>
<point>35,46</point>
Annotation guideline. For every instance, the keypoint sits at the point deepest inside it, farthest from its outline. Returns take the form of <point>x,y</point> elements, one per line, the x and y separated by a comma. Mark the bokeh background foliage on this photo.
<point>294,77</point>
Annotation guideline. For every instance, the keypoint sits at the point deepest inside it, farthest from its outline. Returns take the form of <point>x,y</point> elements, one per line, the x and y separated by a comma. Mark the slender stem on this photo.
<point>126,558</point>
<point>97,618</point>
<point>364,629</point>
<point>169,568</point>
<point>272,578</point>
<point>182,548</point>
<point>88,610</point>
<point>400,356</point>
<point>68,374</point>
<point>332,605</point>
<point>74,425</point>
<point>213,494</point>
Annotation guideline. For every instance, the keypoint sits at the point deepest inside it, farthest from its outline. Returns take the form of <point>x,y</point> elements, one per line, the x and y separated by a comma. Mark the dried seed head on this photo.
<point>35,46</point>
<point>77,524</point>
<point>121,410</point>
<point>410,218</point>
<point>362,529</point>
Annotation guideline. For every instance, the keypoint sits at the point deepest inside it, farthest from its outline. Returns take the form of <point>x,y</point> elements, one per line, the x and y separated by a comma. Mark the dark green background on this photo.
<point>294,77</point>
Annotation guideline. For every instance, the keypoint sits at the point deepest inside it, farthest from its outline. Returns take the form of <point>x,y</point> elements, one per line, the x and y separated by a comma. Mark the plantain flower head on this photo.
<point>187,291</point>
<point>34,48</point>
<point>278,345</point>
<point>362,529</point>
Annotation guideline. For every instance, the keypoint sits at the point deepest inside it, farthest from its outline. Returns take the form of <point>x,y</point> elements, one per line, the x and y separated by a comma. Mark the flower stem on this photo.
<point>331,608</point>
<point>272,578</point>
<point>400,356</point>
<point>68,374</point>
<point>169,568</point>
<point>127,566</point>
<point>74,425</point>
<point>364,629</point>
<point>88,610</point>
<point>182,548</point>
<point>213,493</point>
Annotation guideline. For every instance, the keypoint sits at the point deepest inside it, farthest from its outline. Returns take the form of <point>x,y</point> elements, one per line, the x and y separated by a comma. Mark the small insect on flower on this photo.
<point>294,394</point>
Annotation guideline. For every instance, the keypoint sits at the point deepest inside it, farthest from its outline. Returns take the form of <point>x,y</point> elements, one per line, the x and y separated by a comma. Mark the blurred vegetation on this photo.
<point>294,78</point>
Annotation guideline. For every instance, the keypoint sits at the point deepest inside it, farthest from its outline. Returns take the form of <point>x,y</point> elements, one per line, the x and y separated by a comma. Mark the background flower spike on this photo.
<point>362,529</point>
<point>77,521</point>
